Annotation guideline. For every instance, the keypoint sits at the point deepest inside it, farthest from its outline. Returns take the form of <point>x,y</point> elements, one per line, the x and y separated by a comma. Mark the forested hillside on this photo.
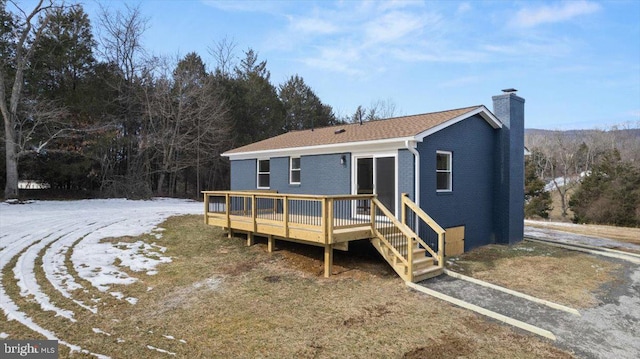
<point>99,115</point>
<point>596,174</point>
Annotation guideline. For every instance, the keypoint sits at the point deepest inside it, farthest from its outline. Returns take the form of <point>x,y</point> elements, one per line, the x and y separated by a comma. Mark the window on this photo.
<point>443,171</point>
<point>263,174</point>
<point>294,170</point>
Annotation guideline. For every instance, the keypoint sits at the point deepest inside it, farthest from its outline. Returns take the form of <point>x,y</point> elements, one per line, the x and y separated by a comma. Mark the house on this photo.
<point>463,167</point>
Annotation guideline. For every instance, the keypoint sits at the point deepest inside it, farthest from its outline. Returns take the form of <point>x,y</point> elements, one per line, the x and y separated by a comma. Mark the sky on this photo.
<point>576,63</point>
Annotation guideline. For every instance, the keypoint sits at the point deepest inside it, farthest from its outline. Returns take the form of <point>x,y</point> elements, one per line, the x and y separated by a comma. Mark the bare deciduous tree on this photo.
<point>26,35</point>
<point>184,121</point>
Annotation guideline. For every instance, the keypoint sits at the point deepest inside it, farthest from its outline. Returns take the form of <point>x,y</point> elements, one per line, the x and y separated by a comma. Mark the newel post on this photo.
<point>206,207</point>
<point>403,210</point>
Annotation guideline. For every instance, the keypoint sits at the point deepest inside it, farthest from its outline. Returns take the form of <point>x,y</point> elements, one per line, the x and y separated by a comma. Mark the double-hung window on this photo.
<point>263,174</point>
<point>294,170</point>
<point>444,181</point>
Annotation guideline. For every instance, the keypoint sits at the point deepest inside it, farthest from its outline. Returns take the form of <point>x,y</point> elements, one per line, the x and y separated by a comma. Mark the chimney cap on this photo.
<point>509,90</point>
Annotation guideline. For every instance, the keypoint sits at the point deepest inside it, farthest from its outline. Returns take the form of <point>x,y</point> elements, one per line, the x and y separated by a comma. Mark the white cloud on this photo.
<point>243,6</point>
<point>313,26</point>
<point>464,7</point>
<point>531,17</point>
<point>392,27</point>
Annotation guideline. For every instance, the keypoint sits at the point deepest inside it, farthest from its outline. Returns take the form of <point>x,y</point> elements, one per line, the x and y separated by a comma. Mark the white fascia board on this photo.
<point>350,147</point>
<point>491,119</point>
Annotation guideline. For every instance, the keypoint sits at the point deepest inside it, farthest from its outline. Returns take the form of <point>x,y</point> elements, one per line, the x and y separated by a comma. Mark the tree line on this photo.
<point>596,174</point>
<point>99,115</point>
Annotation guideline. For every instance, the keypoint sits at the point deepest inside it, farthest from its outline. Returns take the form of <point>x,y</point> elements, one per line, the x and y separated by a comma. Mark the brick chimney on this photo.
<point>509,181</point>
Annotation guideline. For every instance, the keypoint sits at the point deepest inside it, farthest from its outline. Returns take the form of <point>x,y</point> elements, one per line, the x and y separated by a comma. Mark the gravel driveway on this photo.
<point>609,330</point>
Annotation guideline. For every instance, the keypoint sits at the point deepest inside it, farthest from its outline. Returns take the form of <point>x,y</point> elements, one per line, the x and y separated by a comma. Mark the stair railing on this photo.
<point>408,203</point>
<point>389,226</point>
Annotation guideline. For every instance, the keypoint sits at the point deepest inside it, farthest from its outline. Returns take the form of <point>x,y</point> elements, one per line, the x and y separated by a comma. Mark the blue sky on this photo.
<point>577,63</point>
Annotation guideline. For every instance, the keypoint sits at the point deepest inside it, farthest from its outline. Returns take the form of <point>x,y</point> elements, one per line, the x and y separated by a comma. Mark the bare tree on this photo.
<point>381,109</point>
<point>184,120</point>
<point>120,45</point>
<point>26,36</point>
<point>224,53</point>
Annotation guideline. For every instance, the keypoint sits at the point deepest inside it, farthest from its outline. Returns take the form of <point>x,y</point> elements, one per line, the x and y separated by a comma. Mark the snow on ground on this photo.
<point>58,231</point>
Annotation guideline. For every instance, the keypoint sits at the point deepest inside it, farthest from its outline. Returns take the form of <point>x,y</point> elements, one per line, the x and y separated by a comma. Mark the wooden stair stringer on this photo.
<point>423,266</point>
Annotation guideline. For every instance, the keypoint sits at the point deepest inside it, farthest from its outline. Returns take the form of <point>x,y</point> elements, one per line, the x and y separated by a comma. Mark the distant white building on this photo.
<point>33,184</point>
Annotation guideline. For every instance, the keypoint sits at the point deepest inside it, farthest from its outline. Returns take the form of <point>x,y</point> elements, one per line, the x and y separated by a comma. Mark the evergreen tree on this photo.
<point>303,107</point>
<point>610,194</point>
<point>537,200</point>
<point>256,110</point>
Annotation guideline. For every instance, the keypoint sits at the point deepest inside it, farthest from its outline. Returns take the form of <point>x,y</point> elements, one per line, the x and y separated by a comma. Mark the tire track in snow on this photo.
<point>21,242</point>
<point>9,307</point>
<point>55,267</point>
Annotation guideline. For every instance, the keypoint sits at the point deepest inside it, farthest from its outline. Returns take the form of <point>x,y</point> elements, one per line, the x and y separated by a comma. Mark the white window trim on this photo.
<point>374,155</point>
<point>450,171</point>
<point>258,173</point>
<point>291,169</point>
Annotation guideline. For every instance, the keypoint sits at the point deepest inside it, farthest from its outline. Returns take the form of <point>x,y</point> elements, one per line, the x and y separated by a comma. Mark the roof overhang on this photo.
<point>370,146</point>
<point>352,147</point>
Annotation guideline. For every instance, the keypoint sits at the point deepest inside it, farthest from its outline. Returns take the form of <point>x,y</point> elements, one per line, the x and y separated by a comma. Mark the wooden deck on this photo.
<point>330,222</point>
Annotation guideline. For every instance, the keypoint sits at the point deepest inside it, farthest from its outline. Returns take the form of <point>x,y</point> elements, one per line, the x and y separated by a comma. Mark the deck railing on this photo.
<point>329,221</point>
<point>312,217</point>
<point>430,234</point>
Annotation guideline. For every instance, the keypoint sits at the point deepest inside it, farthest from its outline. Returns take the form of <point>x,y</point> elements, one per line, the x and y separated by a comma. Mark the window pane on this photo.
<point>263,180</point>
<point>442,161</point>
<point>263,165</point>
<point>295,163</point>
<point>295,176</point>
<point>443,180</point>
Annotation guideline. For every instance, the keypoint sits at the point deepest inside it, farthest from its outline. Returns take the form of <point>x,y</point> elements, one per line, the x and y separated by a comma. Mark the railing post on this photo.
<point>285,216</point>
<point>403,211</point>
<point>441,249</point>
<point>329,236</point>
<point>206,208</point>
<point>253,211</point>
<point>410,257</point>
<point>323,219</point>
<point>372,212</point>
<point>227,210</point>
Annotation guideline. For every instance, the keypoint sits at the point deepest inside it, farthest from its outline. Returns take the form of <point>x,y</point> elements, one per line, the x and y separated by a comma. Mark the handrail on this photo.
<point>267,193</point>
<point>401,226</point>
<point>406,201</point>
<point>406,231</point>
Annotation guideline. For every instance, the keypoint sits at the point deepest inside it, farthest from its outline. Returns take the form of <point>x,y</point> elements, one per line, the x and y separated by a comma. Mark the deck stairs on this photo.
<point>409,256</point>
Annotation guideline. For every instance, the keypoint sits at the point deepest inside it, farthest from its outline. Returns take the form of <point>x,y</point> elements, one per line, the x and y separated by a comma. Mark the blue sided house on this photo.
<point>454,175</point>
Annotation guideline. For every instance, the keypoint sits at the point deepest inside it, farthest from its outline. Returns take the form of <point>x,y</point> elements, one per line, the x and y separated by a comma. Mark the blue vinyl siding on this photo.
<point>406,174</point>
<point>321,174</point>
<point>243,174</point>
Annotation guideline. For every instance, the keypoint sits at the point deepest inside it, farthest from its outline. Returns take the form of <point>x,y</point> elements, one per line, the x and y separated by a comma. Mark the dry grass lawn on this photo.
<point>221,299</point>
<point>555,274</point>
<point>623,234</point>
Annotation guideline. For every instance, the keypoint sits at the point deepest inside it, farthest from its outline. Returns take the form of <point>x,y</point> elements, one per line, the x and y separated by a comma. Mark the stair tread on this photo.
<point>429,269</point>
<point>422,260</point>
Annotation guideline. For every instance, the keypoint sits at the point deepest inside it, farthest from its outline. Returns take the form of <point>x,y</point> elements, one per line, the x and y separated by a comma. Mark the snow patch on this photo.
<point>100,331</point>
<point>160,350</point>
<point>79,226</point>
<point>4,335</point>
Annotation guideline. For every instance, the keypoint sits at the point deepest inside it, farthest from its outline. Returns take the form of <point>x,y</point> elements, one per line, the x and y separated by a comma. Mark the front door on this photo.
<point>376,175</point>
